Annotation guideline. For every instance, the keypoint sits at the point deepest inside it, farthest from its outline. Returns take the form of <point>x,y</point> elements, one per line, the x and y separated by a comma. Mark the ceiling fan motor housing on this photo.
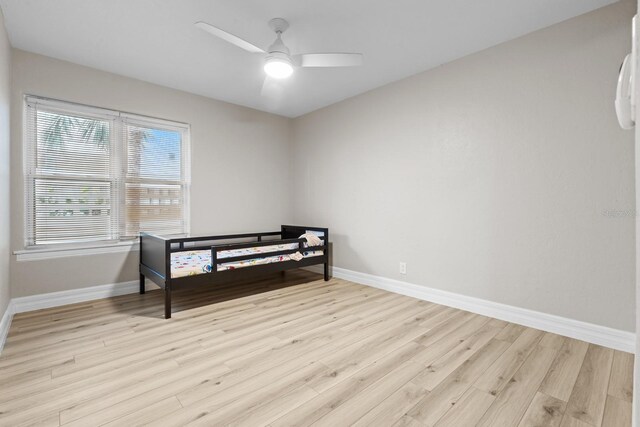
<point>280,56</point>
<point>278,46</point>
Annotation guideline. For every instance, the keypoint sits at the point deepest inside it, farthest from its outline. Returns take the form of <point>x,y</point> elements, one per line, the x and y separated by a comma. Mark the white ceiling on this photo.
<point>156,41</point>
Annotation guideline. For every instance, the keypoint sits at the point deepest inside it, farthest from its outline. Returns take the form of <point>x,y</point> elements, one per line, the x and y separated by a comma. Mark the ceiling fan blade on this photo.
<point>228,37</point>
<point>329,59</point>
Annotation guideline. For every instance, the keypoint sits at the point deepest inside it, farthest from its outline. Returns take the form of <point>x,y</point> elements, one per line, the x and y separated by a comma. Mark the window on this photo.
<point>95,175</point>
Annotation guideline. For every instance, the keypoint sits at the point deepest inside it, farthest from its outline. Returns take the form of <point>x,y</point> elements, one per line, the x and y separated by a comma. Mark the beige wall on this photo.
<point>5,89</point>
<point>240,164</point>
<point>490,176</point>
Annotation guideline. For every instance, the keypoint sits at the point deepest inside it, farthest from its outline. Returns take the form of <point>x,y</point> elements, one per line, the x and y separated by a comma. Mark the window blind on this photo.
<point>155,182</point>
<point>101,175</point>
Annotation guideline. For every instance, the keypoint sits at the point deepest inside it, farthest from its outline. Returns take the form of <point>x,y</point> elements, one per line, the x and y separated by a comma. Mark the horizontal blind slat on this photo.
<point>71,210</point>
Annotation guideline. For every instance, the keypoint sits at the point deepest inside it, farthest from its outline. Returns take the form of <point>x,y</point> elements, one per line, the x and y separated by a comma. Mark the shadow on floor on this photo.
<point>151,304</point>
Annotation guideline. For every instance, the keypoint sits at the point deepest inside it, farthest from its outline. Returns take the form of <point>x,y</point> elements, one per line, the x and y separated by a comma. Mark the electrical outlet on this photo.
<point>403,268</point>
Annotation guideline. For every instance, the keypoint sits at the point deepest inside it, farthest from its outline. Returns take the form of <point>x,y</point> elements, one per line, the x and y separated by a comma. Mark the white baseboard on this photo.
<point>589,332</point>
<point>57,299</point>
<point>5,324</point>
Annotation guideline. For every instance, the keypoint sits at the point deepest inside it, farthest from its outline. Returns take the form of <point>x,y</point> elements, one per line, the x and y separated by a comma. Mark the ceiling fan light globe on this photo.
<point>278,68</point>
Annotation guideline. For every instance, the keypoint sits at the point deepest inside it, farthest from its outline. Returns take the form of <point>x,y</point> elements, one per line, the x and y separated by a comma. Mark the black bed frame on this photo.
<point>155,258</point>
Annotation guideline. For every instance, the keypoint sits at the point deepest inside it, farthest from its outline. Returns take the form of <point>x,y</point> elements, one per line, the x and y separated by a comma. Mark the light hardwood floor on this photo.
<point>297,351</point>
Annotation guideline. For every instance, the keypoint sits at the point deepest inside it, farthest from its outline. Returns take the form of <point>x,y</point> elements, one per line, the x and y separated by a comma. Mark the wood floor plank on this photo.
<point>442,339</point>
<point>145,349</point>
<point>151,412</point>
<point>50,420</point>
<point>280,331</point>
<point>394,407</point>
<point>431,408</point>
<point>298,352</point>
<point>247,396</point>
<point>345,389</point>
<point>356,407</point>
<point>617,413</point>
<point>589,394</point>
<point>468,410</point>
<point>544,410</point>
<point>552,341</point>
<point>75,335</point>
<point>510,332</point>
<point>7,383</point>
<point>564,371</point>
<point>407,421</point>
<point>116,404</point>
<point>513,400</point>
<point>271,410</point>
<point>424,311</point>
<point>11,356</point>
<point>497,376</point>
<point>97,373</point>
<point>569,421</point>
<point>294,350</point>
<point>72,395</point>
<point>43,364</point>
<point>497,323</point>
<point>441,329</point>
<point>34,358</point>
<point>350,359</point>
<point>437,371</point>
<point>302,344</point>
<point>621,382</point>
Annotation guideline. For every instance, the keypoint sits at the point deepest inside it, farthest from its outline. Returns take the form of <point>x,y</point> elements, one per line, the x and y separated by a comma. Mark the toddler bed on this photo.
<point>180,262</point>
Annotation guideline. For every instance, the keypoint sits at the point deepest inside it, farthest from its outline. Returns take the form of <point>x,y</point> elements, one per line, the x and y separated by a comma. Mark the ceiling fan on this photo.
<point>279,63</point>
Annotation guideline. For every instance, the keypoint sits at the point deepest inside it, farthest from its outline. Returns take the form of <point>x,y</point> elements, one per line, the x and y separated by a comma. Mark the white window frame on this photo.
<point>119,163</point>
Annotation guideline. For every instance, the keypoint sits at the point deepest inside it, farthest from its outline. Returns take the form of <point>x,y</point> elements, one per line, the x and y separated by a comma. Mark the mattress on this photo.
<point>190,263</point>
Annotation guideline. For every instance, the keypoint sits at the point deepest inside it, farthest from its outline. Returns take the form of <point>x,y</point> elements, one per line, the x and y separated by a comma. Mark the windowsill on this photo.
<point>35,254</point>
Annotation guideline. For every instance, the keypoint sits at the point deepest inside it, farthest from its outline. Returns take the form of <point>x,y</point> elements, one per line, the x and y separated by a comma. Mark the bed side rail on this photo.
<point>178,244</point>
<point>155,253</point>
